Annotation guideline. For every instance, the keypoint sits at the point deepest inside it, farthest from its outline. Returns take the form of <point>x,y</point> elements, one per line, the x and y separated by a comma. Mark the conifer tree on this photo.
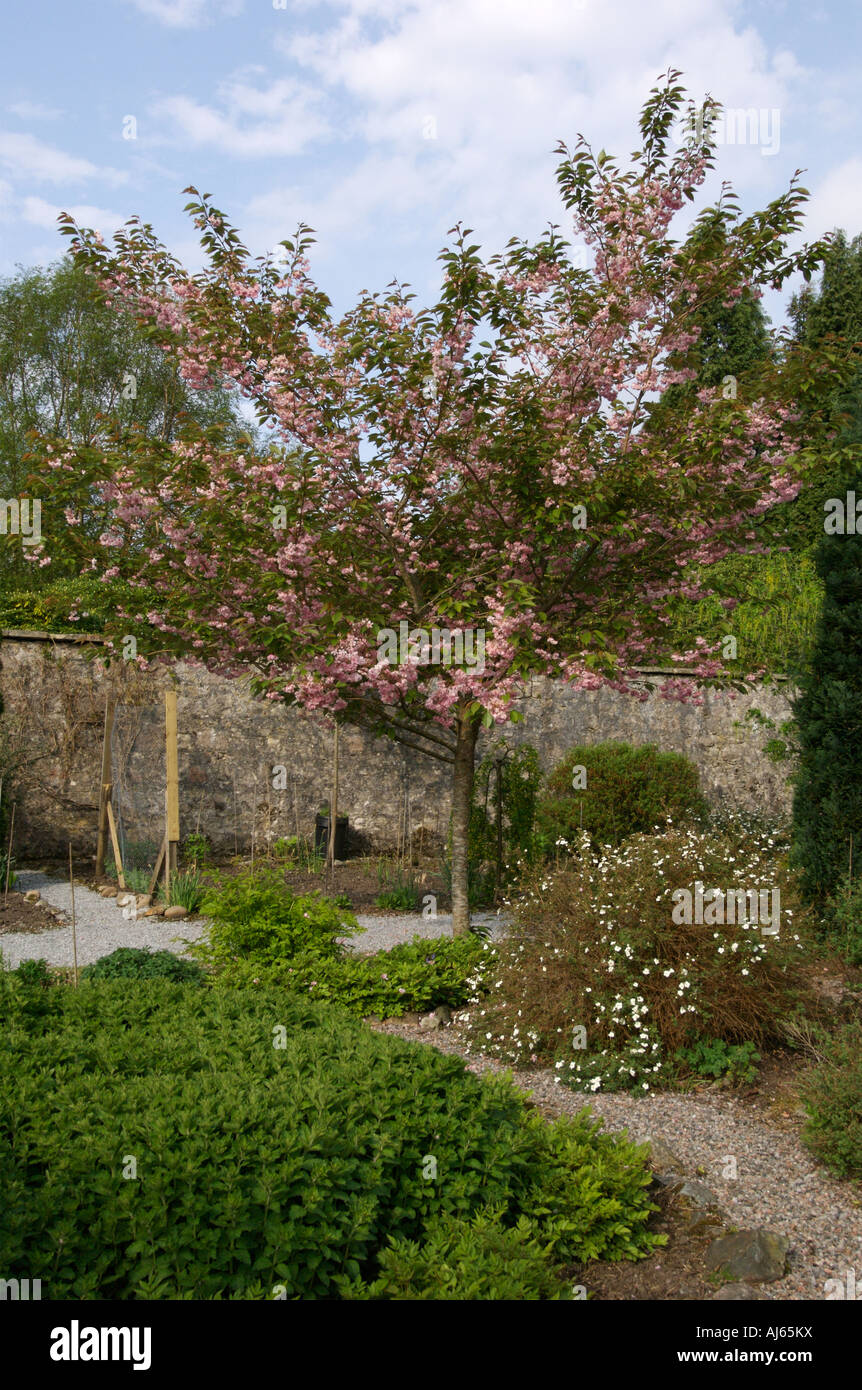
<point>827,804</point>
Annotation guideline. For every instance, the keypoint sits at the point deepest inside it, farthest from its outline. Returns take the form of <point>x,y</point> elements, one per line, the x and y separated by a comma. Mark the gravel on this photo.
<point>100,927</point>
<point>778,1184</point>
<point>381,933</point>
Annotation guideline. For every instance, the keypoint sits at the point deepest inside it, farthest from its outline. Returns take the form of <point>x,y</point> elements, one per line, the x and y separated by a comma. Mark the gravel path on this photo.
<point>778,1184</point>
<point>381,933</point>
<point>101,928</point>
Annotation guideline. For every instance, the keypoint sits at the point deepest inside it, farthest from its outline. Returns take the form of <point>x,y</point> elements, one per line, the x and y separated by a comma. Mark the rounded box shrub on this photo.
<point>629,790</point>
<point>140,963</point>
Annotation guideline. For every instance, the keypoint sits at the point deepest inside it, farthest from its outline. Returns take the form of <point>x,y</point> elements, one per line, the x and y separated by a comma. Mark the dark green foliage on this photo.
<point>277,1143</point>
<point>843,919</point>
<point>416,976</point>
<point>715,1057</point>
<point>140,963</point>
<point>34,973</point>
<point>827,802</point>
<point>832,1094</point>
<point>628,791</point>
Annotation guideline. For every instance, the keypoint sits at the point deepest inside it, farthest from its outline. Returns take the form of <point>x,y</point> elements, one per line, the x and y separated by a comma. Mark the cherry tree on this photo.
<point>480,478</point>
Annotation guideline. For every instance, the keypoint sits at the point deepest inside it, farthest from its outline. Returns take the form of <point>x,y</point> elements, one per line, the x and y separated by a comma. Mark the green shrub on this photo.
<point>276,1143</point>
<point>259,919</point>
<point>140,963</point>
<point>460,1260</point>
<point>506,784</point>
<point>843,920</point>
<point>628,791</point>
<point>601,982</point>
<point>34,973</point>
<point>778,599</point>
<point>83,604</point>
<point>714,1057</point>
<point>416,976</point>
<point>832,1095</point>
<point>196,849</point>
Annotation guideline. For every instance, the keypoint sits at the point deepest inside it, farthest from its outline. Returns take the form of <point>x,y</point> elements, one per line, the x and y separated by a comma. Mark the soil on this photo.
<point>19,915</point>
<point>356,878</point>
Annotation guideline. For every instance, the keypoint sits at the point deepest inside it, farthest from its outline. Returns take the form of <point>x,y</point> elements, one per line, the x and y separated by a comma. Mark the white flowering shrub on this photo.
<point>600,980</point>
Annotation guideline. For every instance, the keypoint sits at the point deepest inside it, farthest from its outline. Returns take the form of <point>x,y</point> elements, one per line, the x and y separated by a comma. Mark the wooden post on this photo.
<point>105,789</point>
<point>9,853</point>
<point>121,881</point>
<point>155,875</point>
<point>74,927</point>
<point>333,804</point>
<point>172,789</point>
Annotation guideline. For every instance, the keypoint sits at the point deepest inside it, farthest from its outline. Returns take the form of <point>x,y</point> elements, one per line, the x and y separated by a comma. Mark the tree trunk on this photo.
<point>462,795</point>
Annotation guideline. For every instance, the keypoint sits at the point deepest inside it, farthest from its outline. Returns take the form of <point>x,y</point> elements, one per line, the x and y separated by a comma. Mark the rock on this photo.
<point>758,1255</point>
<point>701,1222</point>
<point>144,899</point>
<point>123,899</point>
<point>730,1292</point>
<point>32,895</point>
<point>699,1193</point>
<point>107,892</point>
<point>438,1019</point>
<point>175,914</point>
<point>414,1020</point>
<point>663,1158</point>
<point>153,912</point>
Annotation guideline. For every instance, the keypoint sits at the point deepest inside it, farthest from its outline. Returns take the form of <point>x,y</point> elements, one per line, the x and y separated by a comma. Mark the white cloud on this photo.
<point>250,122</point>
<point>45,214</point>
<point>26,156</point>
<point>34,111</point>
<point>188,14</point>
<point>836,200</point>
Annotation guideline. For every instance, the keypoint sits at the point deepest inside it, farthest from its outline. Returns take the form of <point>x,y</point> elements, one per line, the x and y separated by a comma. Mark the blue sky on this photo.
<point>382,122</point>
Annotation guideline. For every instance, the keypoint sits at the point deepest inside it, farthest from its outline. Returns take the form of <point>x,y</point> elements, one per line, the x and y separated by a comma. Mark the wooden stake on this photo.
<point>9,853</point>
<point>172,793</point>
<point>155,876</point>
<point>333,805</point>
<point>105,789</point>
<point>112,826</point>
<point>74,931</point>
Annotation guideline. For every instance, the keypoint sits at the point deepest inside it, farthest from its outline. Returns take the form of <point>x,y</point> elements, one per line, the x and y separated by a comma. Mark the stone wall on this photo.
<point>55,691</point>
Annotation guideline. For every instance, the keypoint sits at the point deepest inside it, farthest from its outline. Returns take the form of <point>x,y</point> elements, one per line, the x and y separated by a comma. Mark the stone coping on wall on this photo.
<point>93,639</point>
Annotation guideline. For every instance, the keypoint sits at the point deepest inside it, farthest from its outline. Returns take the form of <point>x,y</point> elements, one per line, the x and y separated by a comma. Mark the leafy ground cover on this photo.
<point>159,1140</point>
